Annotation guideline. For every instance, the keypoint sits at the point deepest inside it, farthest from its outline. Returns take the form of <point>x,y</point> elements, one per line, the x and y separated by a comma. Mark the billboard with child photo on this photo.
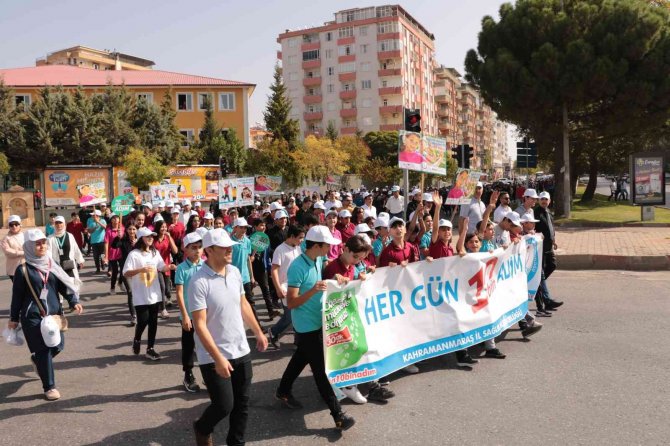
<point>422,153</point>
<point>464,186</point>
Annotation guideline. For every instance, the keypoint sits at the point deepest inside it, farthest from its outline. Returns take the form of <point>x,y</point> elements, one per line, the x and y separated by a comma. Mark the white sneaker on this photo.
<point>411,369</point>
<point>354,394</point>
<point>165,314</point>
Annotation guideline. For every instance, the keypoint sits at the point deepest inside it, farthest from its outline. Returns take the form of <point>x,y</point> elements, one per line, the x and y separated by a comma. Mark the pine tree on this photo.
<point>11,132</point>
<point>331,131</point>
<point>208,145</point>
<point>277,113</point>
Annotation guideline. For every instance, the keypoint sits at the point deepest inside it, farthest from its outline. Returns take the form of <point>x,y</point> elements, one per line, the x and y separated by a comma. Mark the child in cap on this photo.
<point>441,235</point>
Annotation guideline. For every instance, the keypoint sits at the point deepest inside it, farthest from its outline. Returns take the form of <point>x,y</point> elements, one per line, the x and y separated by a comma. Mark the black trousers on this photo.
<point>114,266</point>
<point>249,294</point>
<point>187,349</point>
<point>229,396</point>
<point>261,276</point>
<point>98,251</point>
<point>147,315</point>
<point>310,351</point>
<point>548,263</point>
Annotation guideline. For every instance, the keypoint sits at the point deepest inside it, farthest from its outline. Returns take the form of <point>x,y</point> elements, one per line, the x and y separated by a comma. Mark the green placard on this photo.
<point>259,241</point>
<point>123,204</point>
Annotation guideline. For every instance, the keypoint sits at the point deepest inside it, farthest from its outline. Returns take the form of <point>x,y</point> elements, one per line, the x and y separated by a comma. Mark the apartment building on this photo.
<point>359,71</point>
<point>85,57</point>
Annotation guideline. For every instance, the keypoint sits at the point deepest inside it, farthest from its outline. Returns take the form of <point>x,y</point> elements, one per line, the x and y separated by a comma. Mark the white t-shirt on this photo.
<point>501,237</point>
<point>371,209</point>
<point>220,296</point>
<point>500,212</point>
<point>332,204</point>
<point>395,205</point>
<point>475,212</point>
<point>283,256</point>
<point>184,217</point>
<point>145,286</point>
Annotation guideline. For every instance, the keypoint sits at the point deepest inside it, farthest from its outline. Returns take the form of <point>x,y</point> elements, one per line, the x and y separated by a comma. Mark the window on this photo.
<point>184,102</point>
<point>363,31</point>
<point>387,27</point>
<point>329,36</point>
<point>385,84</point>
<point>292,43</point>
<point>366,103</point>
<point>347,31</point>
<point>329,54</point>
<point>364,48</point>
<point>147,97</point>
<point>347,67</point>
<point>389,45</point>
<point>330,88</point>
<point>330,106</point>
<point>226,101</point>
<point>348,87</point>
<point>22,99</point>
<point>365,66</point>
<point>310,55</point>
<point>96,66</point>
<point>292,76</point>
<point>345,50</point>
<point>331,71</point>
<point>292,60</point>
<point>188,137</point>
<point>202,98</point>
<point>384,11</point>
<point>385,102</point>
<point>366,85</point>
<point>313,108</point>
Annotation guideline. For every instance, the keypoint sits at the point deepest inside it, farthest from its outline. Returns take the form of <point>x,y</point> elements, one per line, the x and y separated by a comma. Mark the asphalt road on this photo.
<point>596,374</point>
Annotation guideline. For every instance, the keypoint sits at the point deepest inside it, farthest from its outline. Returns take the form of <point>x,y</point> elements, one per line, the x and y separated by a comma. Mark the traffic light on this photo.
<point>469,152</point>
<point>223,167</point>
<point>413,120</point>
<point>457,155</point>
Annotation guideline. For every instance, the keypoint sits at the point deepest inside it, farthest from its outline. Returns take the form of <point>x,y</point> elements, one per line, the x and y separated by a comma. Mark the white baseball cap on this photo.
<point>480,184</point>
<point>241,221</point>
<point>427,196</point>
<point>445,223</point>
<point>395,189</point>
<point>201,231</point>
<point>319,205</point>
<point>321,234</point>
<point>274,206</point>
<point>545,194</point>
<point>344,214</point>
<point>14,219</point>
<point>382,222</point>
<point>186,202</point>
<point>217,237</point>
<point>50,332</point>
<point>384,215</point>
<point>176,210</point>
<point>197,204</point>
<point>332,211</point>
<point>514,218</point>
<point>103,204</point>
<point>144,232</point>
<point>366,238</point>
<point>34,235</point>
<point>192,237</point>
<point>415,191</point>
<point>169,203</point>
<point>59,218</point>
<point>97,212</point>
<point>367,213</point>
<point>365,195</point>
<point>526,218</point>
<point>157,218</point>
<point>208,216</point>
<point>281,213</point>
<point>161,204</point>
<point>530,193</point>
<point>148,205</point>
<point>396,219</point>
<point>362,228</point>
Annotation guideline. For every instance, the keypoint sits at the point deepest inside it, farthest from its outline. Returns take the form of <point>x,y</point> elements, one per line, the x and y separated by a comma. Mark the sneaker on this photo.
<point>531,330</point>
<point>354,394</point>
<point>136,346</point>
<point>153,354</point>
<point>553,304</point>
<point>202,439</point>
<point>112,291</point>
<point>343,421</point>
<point>411,369</point>
<point>190,384</point>
<point>288,400</point>
<point>165,314</point>
<point>495,353</point>
<point>274,340</point>
<point>133,321</point>
<point>122,288</point>
<point>466,361</point>
<point>523,325</point>
<point>168,304</point>
<point>272,314</point>
<point>542,313</point>
<point>380,394</point>
<point>52,394</point>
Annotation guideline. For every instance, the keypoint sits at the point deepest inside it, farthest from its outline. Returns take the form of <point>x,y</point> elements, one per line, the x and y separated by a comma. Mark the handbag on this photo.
<point>59,319</point>
<point>67,265</point>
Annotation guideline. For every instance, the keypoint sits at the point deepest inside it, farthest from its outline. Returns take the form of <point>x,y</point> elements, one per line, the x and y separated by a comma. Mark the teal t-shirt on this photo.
<point>488,245</point>
<point>183,275</point>
<point>49,229</point>
<point>378,246</point>
<point>303,274</point>
<point>241,253</point>
<point>97,236</point>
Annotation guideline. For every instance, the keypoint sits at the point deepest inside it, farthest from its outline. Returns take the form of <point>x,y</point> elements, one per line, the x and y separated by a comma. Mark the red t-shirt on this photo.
<point>77,230</point>
<point>440,249</point>
<point>177,231</point>
<point>337,267</point>
<point>397,255</point>
<point>346,231</point>
<point>163,248</point>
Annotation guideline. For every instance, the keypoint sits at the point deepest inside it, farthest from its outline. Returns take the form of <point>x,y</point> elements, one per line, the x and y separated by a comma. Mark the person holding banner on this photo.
<point>331,224</point>
<point>399,251</point>
<point>304,298</point>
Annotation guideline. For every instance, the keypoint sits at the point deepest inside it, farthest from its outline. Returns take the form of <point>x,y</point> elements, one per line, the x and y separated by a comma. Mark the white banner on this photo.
<point>400,316</point>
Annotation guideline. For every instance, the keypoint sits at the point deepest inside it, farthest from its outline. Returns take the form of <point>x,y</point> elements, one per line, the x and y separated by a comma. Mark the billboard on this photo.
<point>76,187</point>
<point>647,174</point>
<point>236,192</point>
<point>267,184</point>
<point>464,186</point>
<point>422,153</point>
<point>191,182</point>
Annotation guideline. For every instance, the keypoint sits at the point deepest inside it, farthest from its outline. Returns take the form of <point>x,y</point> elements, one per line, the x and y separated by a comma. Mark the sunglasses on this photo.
<point>15,224</point>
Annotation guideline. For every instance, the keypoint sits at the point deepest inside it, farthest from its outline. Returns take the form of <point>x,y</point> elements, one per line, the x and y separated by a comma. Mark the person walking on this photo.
<point>96,227</point>
<point>220,309</point>
<point>41,276</point>
<point>12,246</point>
<point>113,255</point>
<point>64,249</point>
<point>126,244</point>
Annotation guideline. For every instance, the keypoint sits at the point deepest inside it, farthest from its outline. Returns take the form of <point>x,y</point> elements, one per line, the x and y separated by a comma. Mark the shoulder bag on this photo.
<point>59,319</point>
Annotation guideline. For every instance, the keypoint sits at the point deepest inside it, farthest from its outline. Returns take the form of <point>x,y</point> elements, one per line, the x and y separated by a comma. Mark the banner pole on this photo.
<point>423,177</point>
<point>405,180</point>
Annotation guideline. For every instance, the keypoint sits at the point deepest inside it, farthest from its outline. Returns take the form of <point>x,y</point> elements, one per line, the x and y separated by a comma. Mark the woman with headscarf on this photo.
<point>47,280</point>
<point>64,249</point>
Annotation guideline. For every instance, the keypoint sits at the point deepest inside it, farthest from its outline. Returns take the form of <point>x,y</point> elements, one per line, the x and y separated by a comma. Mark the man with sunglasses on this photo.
<point>12,246</point>
<point>503,209</point>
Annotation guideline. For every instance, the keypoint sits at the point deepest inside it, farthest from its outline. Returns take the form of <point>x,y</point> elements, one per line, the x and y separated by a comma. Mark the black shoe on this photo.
<point>136,346</point>
<point>168,304</point>
<point>552,305</point>
<point>495,353</point>
<point>277,304</point>
<point>343,421</point>
<point>189,383</point>
<point>523,325</point>
<point>288,400</point>
<point>380,394</point>
<point>527,332</point>
<point>466,360</point>
<point>274,340</point>
<point>153,354</point>
<point>542,313</point>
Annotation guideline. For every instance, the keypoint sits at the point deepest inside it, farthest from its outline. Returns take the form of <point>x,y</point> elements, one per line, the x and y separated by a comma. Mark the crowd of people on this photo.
<point>207,263</point>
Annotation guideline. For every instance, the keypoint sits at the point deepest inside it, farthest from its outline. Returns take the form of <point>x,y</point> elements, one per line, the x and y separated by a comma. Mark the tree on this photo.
<point>115,107</point>
<point>569,70</point>
<point>319,158</point>
<point>277,113</point>
<point>234,151</point>
<point>358,153</point>
<point>174,139</point>
<point>331,131</point>
<point>273,157</point>
<point>383,145</point>
<point>4,164</point>
<point>378,172</point>
<point>143,168</point>
<point>11,132</point>
<point>153,131</point>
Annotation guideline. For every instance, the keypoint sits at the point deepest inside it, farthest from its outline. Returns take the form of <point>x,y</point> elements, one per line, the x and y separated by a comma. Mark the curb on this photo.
<point>622,263</point>
<point>595,224</point>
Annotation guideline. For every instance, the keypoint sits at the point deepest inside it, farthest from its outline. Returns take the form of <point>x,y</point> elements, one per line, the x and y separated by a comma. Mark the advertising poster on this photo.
<point>163,192</point>
<point>403,315</point>
<point>245,191</point>
<point>267,184</point>
<point>195,182</point>
<point>121,184</point>
<point>236,192</point>
<point>421,153</point>
<point>67,187</point>
<point>464,186</point>
<point>647,172</point>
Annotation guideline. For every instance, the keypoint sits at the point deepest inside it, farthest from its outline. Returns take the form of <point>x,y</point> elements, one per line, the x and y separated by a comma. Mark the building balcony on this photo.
<point>345,77</point>
<point>441,98</point>
<point>315,132</point>
<point>279,55</point>
<point>442,112</point>
<point>390,90</point>
<point>390,127</point>
<point>348,113</point>
<point>346,40</point>
<point>395,54</point>
<point>348,94</point>
<point>389,72</point>
<point>387,109</point>
<point>347,58</point>
<point>348,130</point>
<point>311,81</point>
<point>388,36</point>
<point>312,99</point>
<point>313,116</point>
<point>310,46</point>
<point>307,64</point>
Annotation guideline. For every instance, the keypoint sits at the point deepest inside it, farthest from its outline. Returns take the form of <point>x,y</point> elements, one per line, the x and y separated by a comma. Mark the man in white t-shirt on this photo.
<point>473,210</point>
<point>282,258</point>
<point>332,201</point>
<point>395,203</point>
<point>186,213</point>
<point>367,205</point>
<point>503,208</point>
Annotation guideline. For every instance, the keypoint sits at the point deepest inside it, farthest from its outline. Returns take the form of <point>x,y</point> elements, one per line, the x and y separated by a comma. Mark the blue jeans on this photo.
<point>283,323</point>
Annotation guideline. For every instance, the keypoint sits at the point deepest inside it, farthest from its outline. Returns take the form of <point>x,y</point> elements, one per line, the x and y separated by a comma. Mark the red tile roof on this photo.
<point>72,76</point>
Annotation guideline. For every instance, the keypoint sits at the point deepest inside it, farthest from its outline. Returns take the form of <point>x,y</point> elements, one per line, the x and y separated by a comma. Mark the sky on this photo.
<point>234,40</point>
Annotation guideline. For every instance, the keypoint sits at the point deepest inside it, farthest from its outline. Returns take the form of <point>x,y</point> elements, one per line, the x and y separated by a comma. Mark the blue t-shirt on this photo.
<point>183,275</point>
<point>359,268</point>
<point>378,246</point>
<point>49,229</point>
<point>303,274</point>
<point>97,236</point>
<point>425,243</point>
<point>488,245</point>
<point>241,253</point>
